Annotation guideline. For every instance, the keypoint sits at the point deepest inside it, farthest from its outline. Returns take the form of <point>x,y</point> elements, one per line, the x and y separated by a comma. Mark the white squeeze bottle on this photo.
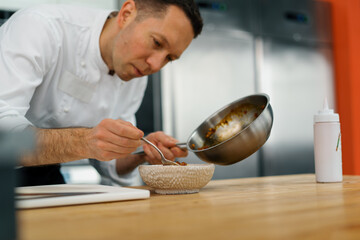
<point>327,146</point>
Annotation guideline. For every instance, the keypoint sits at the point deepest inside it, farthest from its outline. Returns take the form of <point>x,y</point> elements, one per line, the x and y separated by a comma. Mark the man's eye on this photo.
<point>156,42</point>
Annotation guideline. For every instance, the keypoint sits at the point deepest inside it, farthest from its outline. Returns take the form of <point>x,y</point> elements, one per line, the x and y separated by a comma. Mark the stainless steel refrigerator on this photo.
<point>293,52</point>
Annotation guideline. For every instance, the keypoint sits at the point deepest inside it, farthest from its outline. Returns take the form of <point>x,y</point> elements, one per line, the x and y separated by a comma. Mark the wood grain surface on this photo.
<point>279,207</point>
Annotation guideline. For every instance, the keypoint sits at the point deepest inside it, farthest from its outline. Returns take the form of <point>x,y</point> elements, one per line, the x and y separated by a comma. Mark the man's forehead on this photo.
<point>175,29</point>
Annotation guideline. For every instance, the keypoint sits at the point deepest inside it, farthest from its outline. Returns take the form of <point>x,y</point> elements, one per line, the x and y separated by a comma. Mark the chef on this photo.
<point>77,77</point>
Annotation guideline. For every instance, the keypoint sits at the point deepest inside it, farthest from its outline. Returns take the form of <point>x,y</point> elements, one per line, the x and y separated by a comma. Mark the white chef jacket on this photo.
<point>52,75</point>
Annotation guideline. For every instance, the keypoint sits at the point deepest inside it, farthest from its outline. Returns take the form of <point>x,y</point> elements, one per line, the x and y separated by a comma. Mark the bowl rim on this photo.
<point>192,165</point>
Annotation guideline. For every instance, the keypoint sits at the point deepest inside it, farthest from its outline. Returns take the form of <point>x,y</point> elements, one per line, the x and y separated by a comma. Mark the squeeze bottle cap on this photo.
<point>326,114</point>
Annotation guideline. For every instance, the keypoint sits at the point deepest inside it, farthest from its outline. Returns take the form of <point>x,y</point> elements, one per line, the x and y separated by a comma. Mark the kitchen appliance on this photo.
<point>294,66</point>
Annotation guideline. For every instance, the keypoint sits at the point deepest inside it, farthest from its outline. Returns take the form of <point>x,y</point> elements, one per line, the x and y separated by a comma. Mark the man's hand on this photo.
<point>166,144</point>
<point>112,139</point>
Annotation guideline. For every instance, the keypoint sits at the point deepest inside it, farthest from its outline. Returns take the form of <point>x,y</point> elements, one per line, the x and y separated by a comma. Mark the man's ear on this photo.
<point>126,14</point>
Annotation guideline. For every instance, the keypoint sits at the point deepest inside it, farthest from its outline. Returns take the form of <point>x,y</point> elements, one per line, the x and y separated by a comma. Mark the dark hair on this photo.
<point>148,8</point>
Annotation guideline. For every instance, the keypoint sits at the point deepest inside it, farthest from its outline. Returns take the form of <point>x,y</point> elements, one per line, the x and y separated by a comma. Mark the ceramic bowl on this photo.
<point>177,179</point>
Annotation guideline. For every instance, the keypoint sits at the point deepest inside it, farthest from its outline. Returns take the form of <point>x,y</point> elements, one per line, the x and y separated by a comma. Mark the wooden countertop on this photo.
<point>280,207</point>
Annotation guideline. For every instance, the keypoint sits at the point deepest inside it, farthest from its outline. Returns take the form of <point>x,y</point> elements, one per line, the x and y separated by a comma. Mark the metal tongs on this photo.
<point>163,159</point>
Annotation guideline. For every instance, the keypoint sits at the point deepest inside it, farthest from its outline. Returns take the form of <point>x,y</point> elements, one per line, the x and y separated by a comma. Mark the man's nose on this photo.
<point>156,61</point>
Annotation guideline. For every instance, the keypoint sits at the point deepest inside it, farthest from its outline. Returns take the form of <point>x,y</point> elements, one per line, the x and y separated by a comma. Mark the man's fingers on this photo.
<point>166,151</point>
<point>178,152</point>
<point>166,144</point>
<point>166,140</point>
<point>110,147</point>
<point>122,141</point>
<point>148,151</point>
<point>114,138</point>
<point>153,157</point>
<point>122,128</point>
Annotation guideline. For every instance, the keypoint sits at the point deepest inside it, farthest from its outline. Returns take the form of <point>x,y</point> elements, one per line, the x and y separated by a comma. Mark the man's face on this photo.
<point>144,47</point>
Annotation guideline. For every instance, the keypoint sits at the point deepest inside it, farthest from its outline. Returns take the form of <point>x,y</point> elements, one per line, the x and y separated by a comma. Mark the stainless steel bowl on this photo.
<point>241,145</point>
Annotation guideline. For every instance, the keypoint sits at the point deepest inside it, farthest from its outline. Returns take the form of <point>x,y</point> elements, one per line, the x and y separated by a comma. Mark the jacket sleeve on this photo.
<point>27,49</point>
<point>109,176</point>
